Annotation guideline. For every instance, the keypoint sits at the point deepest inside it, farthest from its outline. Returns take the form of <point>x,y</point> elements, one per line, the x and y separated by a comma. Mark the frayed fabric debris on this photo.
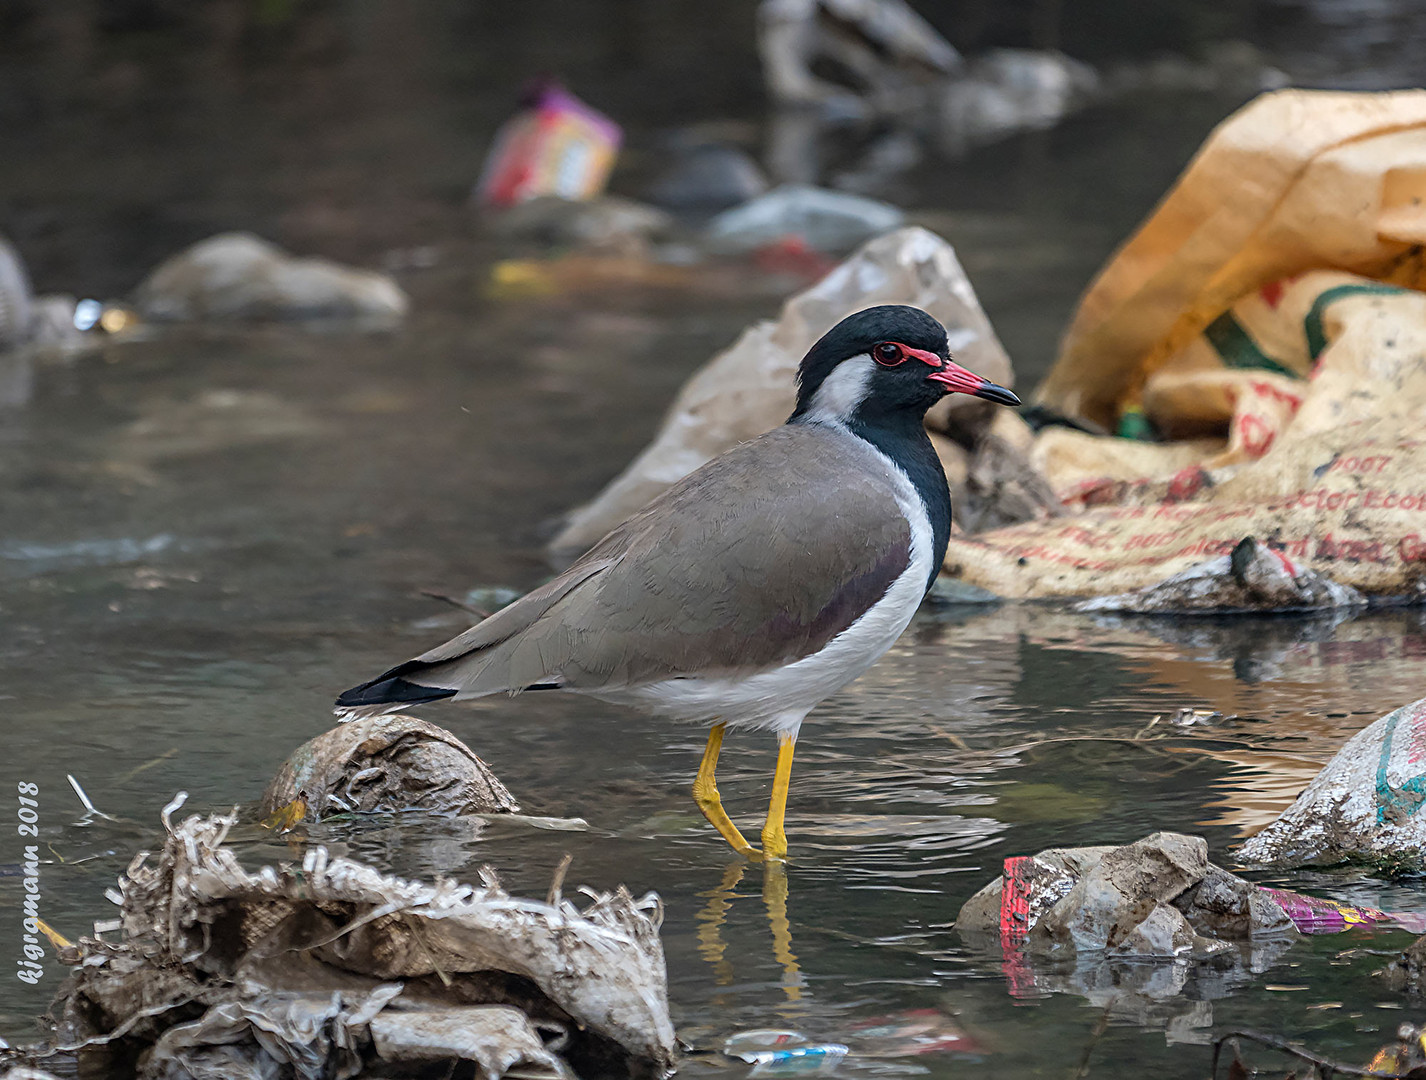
<point>324,968</point>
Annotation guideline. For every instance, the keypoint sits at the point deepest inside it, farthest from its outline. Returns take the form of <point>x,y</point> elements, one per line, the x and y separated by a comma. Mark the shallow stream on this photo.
<point>207,535</point>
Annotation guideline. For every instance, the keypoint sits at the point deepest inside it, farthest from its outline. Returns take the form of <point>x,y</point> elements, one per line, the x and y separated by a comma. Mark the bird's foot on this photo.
<point>774,846</point>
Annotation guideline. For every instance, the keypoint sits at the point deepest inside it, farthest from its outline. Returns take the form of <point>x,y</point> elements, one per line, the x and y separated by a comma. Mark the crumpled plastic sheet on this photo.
<point>1157,897</point>
<point>1150,932</point>
<point>326,967</point>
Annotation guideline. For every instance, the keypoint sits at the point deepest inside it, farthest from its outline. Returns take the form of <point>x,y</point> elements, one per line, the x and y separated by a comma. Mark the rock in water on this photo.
<point>828,220</point>
<point>708,176</point>
<point>239,276</point>
<point>385,765</point>
<point>1364,805</point>
<point>16,300</point>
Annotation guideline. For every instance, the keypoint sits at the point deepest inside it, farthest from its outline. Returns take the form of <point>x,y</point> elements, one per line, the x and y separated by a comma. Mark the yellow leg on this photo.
<point>705,794</point>
<point>774,839</point>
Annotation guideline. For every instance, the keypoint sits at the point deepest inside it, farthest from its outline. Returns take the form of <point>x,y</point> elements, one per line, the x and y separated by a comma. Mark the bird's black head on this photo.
<point>885,365</point>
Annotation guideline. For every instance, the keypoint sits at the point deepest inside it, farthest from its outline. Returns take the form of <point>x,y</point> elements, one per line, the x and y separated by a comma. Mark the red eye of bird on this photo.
<point>888,354</point>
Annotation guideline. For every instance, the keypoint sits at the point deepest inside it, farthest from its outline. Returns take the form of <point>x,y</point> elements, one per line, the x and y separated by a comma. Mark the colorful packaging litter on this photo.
<point>557,146</point>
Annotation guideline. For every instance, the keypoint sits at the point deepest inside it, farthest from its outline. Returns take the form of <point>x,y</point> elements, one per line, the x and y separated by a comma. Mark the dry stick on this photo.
<point>1325,1066</point>
<point>146,765</point>
<point>553,897</point>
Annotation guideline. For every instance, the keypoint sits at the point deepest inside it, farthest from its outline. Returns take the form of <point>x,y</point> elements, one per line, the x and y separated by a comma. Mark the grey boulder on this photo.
<point>239,276</point>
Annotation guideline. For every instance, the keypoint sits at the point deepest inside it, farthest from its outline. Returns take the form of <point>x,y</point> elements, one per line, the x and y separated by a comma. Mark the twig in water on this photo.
<point>554,896</point>
<point>443,598</point>
<point>89,806</point>
<point>1326,1067</point>
<point>1095,1034</point>
<point>147,765</point>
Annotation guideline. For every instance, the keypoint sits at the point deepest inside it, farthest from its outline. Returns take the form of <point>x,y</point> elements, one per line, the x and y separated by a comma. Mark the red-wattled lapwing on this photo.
<point>757,585</point>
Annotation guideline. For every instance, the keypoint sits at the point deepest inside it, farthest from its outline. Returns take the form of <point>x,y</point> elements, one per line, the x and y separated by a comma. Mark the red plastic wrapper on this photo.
<point>557,146</point>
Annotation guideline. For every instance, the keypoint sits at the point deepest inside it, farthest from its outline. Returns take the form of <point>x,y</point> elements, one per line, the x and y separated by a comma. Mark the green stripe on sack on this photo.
<point>1238,350</point>
<point>1312,322</point>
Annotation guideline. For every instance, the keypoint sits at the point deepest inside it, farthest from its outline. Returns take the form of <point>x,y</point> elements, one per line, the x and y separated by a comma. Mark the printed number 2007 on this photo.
<point>26,813</point>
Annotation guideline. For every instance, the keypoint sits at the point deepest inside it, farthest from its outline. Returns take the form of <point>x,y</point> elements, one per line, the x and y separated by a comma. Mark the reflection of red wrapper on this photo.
<point>559,146</point>
<point>1314,915</point>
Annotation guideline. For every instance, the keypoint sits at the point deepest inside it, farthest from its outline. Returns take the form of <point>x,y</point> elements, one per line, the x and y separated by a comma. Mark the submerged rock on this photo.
<point>239,276</point>
<point>384,765</point>
<point>708,176</point>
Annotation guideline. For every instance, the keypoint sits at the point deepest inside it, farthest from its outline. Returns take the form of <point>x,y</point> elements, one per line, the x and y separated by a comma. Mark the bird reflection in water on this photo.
<point>714,915</point>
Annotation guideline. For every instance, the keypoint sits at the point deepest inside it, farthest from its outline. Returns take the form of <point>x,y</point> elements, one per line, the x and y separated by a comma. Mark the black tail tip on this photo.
<point>391,691</point>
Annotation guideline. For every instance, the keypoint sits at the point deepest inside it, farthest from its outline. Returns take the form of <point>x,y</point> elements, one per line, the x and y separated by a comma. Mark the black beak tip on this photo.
<point>997,394</point>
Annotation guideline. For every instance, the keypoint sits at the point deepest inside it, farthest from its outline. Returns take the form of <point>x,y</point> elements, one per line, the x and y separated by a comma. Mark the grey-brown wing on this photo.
<point>758,559</point>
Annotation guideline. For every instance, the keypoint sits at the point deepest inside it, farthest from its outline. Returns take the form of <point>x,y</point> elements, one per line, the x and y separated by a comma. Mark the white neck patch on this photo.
<point>842,391</point>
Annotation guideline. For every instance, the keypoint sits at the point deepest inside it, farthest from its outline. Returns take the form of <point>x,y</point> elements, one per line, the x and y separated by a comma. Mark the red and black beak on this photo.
<point>958,380</point>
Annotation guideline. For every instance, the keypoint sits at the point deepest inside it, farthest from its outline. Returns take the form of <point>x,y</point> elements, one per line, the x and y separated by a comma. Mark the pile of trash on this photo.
<point>1251,366</point>
<point>1088,921</point>
<point>1258,349</point>
<point>1252,577</point>
<point>1156,897</point>
<point>329,967</point>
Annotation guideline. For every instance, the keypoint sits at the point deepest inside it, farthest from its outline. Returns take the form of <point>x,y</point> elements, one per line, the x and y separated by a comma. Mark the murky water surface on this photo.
<point>206,536</point>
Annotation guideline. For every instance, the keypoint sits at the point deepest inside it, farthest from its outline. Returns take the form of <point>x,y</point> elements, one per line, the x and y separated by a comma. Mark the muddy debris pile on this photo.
<point>1157,897</point>
<point>329,968</point>
<point>385,765</point>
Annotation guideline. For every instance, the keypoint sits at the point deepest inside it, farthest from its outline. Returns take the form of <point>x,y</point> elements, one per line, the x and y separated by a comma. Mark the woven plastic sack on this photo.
<point>1327,470</point>
<point>1294,181</point>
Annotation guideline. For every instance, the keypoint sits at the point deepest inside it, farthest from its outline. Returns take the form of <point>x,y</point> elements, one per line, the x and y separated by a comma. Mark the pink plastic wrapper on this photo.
<point>557,146</point>
<point>1314,915</point>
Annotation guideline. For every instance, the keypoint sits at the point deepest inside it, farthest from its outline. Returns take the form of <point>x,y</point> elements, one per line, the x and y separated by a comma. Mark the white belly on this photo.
<point>778,698</point>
